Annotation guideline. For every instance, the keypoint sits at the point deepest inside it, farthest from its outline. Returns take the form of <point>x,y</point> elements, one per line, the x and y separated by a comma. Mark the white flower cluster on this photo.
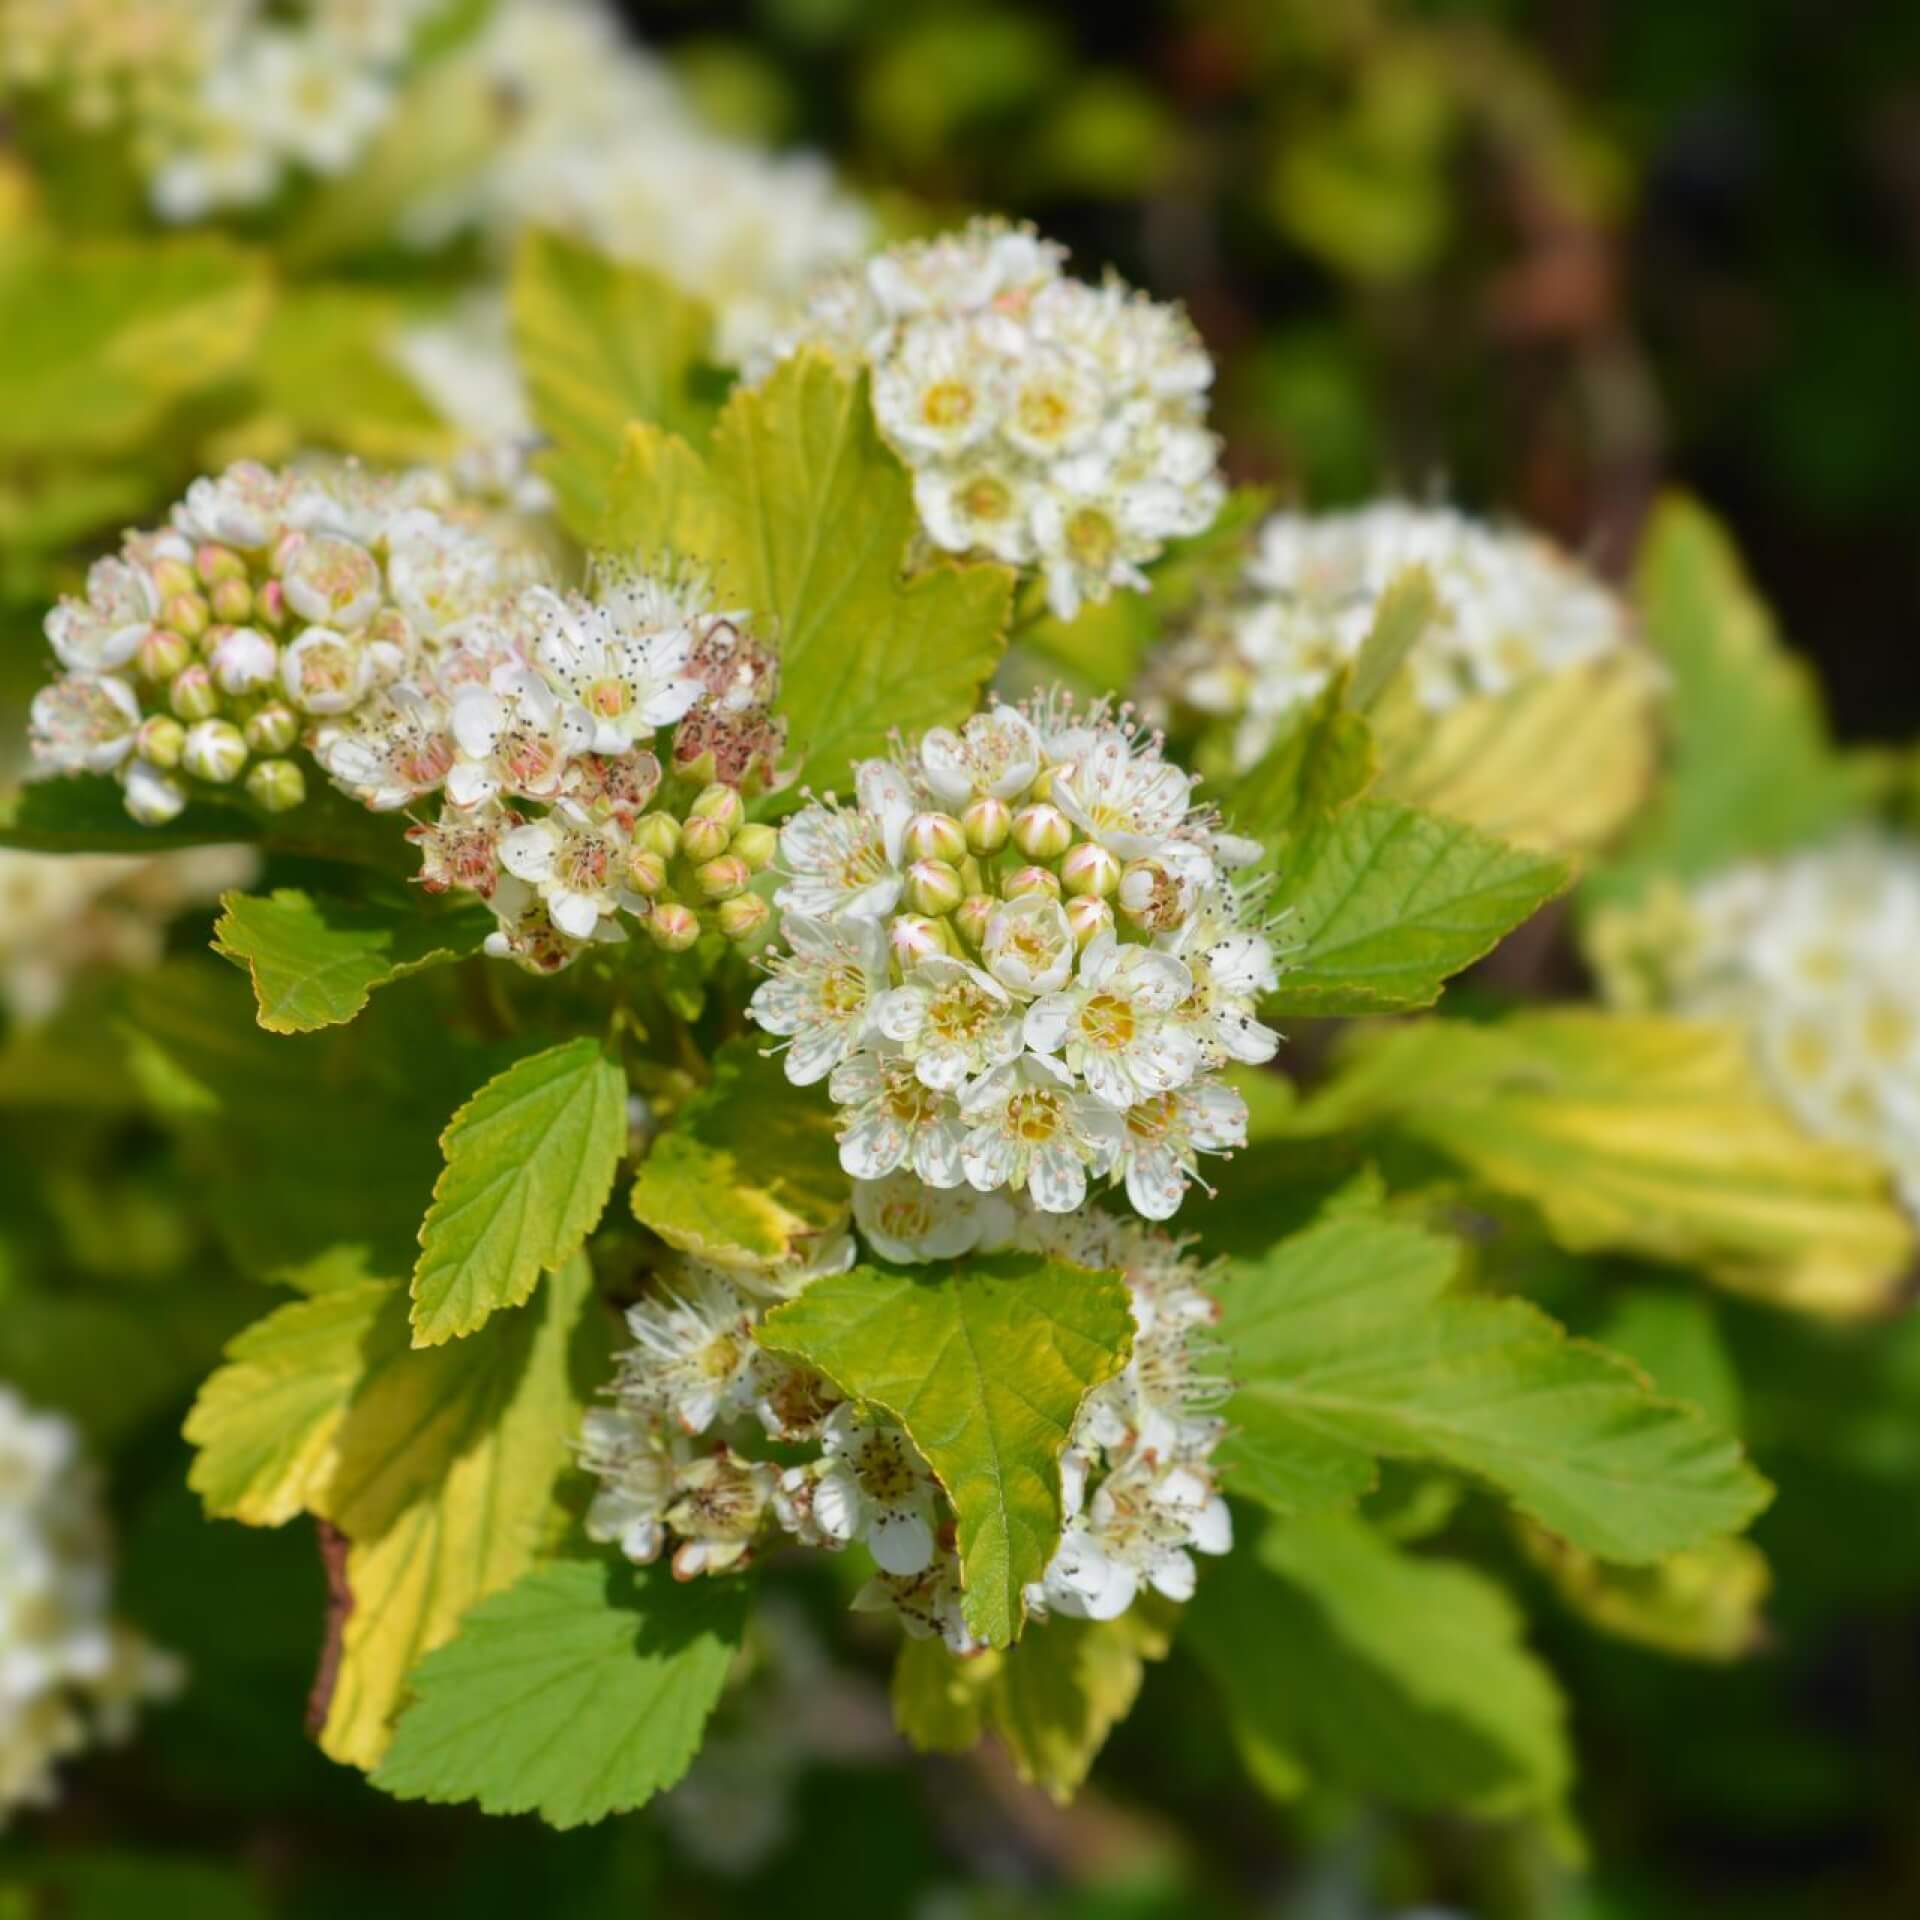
<point>1511,607</point>
<point>1047,422</point>
<point>1815,957</point>
<point>678,1451</point>
<point>69,1673</point>
<point>601,143</point>
<point>1019,961</point>
<point>367,620</point>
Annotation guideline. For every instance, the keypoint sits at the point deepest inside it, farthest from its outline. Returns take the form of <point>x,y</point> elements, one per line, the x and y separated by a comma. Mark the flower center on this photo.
<point>1034,1115</point>
<point>607,698</point>
<point>1107,1022</point>
<point>947,403</point>
<point>961,1014</point>
<point>843,993</point>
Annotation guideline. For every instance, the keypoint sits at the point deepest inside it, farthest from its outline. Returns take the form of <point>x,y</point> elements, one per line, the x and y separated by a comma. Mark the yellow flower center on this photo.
<point>1107,1022</point>
<point>947,403</point>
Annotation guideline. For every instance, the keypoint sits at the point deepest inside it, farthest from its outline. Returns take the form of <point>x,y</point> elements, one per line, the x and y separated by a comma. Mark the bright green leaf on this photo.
<point>530,1162</point>
<point>985,1365</point>
<point>1405,612</point>
<point>1323,760</point>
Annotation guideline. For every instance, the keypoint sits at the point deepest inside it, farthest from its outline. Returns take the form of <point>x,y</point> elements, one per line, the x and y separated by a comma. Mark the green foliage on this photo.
<point>582,1690</point>
<point>314,961</point>
<point>985,1364</point>
<point>804,517</point>
<point>1348,1349</point>
<point>530,1162</point>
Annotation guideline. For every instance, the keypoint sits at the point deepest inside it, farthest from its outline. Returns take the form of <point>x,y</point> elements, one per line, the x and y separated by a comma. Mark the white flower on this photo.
<point>629,684</point>
<point>821,995</point>
<point>951,1020</point>
<point>928,1605</point>
<point>902,1218</point>
<point>310,100</point>
<point>942,391</point>
<point>1115,1025</point>
<point>242,507</point>
<point>1029,1127</point>
<point>1029,946</point>
<point>330,580</point>
<point>1130,802</point>
<point>1165,1134</point>
<point>84,725</point>
<point>720,1505</point>
<point>1140,1529</point>
<point>997,754</point>
<point>100,632</point>
<point>325,672</point>
<point>873,1486</point>
<point>637,1467</point>
<point>526,934</point>
<point>891,1119</point>
<point>440,574</point>
<point>848,859</point>
<point>392,751</point>
<point>694,1356</point>
<point>575,863</point>
<point>514,737</point>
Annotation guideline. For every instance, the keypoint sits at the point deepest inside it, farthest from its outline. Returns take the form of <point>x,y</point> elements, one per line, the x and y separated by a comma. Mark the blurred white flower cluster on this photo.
<point>413,654</point>
<point>679,1472</point>
<point>1047,422</point>
<point>1814,955</point>
<point>1019,961</point>
<point>222,100</point>
<point>69,1673</point>
<point>1511,608</point>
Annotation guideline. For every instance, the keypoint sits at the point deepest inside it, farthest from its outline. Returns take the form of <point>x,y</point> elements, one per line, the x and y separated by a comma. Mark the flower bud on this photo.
<point>933,887</point>
<point>1088,914</point>
<point>232,602</point>
<point>646,871</point>
<point>243,661</point>
<point>153,797</point>
<point>986,823</point>
<point>912,937</point>
<point>270,604</point>
<point>1090,869</point>
<point>970,917</point>
<point>672,926</point>
<point>277,785</point>
<point>186,613</point>
<point>272,728</point>
<point>704,838</point>
<point>756,844</point>
<point>936,836</point>
<point>161,654</point>
<point>214,750</point>
<point>1030,880</point>
<point>1042,831</point>
<point>171,577</point>
<point>159,741</point>
<point>658,833</point>
<point>192,694</point>
<point>722,878</point>
<point>718,802</point>
<point>215,563</point>
<point>743,916</point>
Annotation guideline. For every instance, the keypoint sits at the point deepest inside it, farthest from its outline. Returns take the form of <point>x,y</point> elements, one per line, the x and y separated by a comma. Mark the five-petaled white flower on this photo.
<point>1115,1026</point>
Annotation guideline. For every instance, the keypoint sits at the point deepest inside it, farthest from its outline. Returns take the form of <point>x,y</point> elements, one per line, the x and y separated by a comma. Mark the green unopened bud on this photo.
<point>187,613</point>
<point>173,576</point>
<point>933,887</point>
<point>756,844</point>
<point>1041,786</point>
<point>672,926</point>
<point>1087,915</point>
<point>722,878</point>
<point>1042,831</point>
<point>1090,869</point>
<point>277,785</point>
<point>214,750</point>
<point>936,836</point>
<point>970,917</point>
<point>192,694</point>
<point>270,604</point>
<point>232,602</point>
<point>152,796</point>
<point>986,823</point>
<point>1031,880</point>
<point>161,654</point>
<point>719,802</point>
<point>913,937</point>
<point>646,871</point>
<point>657,833</point>
<point>215,563</point>
<point>272,728</point>
<point>743,916</point>
<point>159,741</point>
<point>704,838</point>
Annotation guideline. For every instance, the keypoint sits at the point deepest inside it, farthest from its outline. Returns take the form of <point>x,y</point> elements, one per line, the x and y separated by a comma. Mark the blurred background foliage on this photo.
<point>1544,258</point>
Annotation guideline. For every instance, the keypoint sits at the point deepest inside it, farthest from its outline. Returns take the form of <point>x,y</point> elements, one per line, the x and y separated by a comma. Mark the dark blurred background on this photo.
<point>1539,257</point>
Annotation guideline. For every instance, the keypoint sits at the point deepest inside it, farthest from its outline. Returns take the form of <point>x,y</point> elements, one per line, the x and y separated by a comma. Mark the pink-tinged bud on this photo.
<point>756,844</point>
<point>912,937</point>
<point>270,604</point>
<point>1090,869</point>
<point>936,836</point>
<point>1042,831</point>
<point>192,694</point>
<point>215,563</point>
<point>721,879</point>
<point>657,833</point>
<point>284,549</point>
<point>743,917</point>
<point>161,654</point>
<point>933,887</point>
<point>159,741</point>
<point>646,871</point>
<point>186,613</point>
<point>986,823</point>
<point>272,728</point>
<point>971,916</point>
<point>718,802</point>
<point>215,751</point>
<point>1087,914</point>
<point>672,926</point>
<point>232,602</point>
<point>278,786</point>
<point>1151,895</point>
<point>704,838</point>
<point>1030,880</point>
<point>172,577</point>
